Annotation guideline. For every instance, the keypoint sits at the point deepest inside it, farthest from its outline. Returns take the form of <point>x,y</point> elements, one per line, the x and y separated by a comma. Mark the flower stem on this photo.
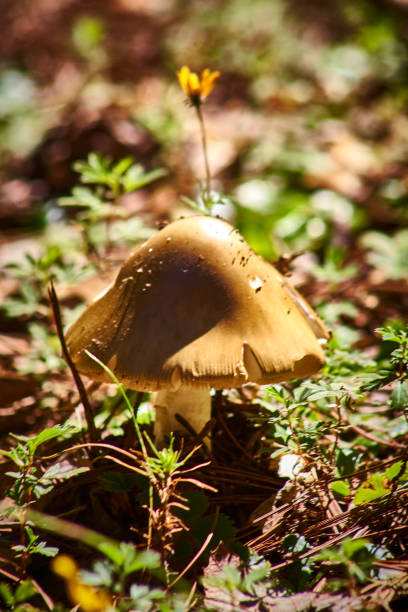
<point>204,145</point>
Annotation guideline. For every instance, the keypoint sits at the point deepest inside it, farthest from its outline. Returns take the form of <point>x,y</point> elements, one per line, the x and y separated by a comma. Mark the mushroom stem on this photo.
<point>192,403</point>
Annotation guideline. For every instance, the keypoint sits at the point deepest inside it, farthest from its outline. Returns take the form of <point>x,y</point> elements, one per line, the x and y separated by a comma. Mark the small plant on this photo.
<point>388,253</point>
<point>334,268</point>
<point>299,418</point>
<point>112,582</point>
<point>297,575</point>
<point>238,585</point>
<point>394,367</point>
<point>21,595</point>
<point>33,545</point>
<point>43,355</point>
<point>34,275</point>
<point>206,200</point>
<point>166,472</point>
<point>99,206</point>
<point>31,482</point>
<point>381,484</point>
<point>168,475</point>
<point>123,578</point>
<point>350,564</point>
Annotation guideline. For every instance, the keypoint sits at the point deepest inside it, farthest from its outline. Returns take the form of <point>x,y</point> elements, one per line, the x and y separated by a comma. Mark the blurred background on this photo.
<point>307,126</point>
<point>307,132</point>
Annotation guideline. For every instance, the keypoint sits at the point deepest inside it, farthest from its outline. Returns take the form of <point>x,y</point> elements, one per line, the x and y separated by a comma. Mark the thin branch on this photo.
<point>93,436</point>
<point>193,560</point>
<point>373,438</point>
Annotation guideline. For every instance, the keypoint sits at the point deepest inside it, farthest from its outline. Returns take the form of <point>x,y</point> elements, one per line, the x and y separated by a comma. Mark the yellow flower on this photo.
<point>195,87</point>
<point>88,598</point>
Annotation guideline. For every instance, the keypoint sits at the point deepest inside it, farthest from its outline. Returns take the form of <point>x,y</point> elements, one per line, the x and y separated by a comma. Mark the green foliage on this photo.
<point>30,479</point>
<point>21,594</point>
<point>378,485</point>
<point>305,419</point>
<point>165,462</point>
<point>123,176</point>
<point>201,523</point>
<point>100,205</point>
<point>353,560</point>
<point>21,123</point>
<point>207,202</point>
<point>388,253</point>
<point>399,395</point>
<point>88,35</point>
<point>372,489</point>
<point>333,268</point>
<point>233,580</point>
<point>27,304</point>
<point>295,218</point>
<point>348,460</point>
<point>393,368</point>
<point>298,573</point>
<point>33,545</point>
<point>340,487</point>
<point>118,574</point>
<point>34,275</point>
<point>399,356</point>
<point>126,559</point>
<point>43,356</point>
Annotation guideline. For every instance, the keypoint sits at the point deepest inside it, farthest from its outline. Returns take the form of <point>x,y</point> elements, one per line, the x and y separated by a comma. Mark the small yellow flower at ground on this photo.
<point>197,87</point>
<point>88,598</point>
<point>65,567</point>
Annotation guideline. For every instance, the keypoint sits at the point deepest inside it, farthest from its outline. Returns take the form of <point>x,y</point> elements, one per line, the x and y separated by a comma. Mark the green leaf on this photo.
<point>24,591</point>
<point>295,543</point>
<point>232,575</point>
<point>347,461</point>
<point>57,472</point>
<point>399,395</point>
<point>146,559</point>
<point>43,549</point>
<point>112,551</point>
<point>198,206</point>
<point>87,34</point>
<point>49,434</point>
<point>197,503</point>
<point>82,196</point>
<point>341,487</point>
<point>394,470</point>
<point>351,547</point>
<point>136,178</point>
<point>121,167</point>
<point>6,593</point>
<point>389,253</point>
<point>398,427</point>
<point>389,334</point>
<point>257,573</point>
<point>365,494</point>
<point>96,170</point>
<point>375,380</point>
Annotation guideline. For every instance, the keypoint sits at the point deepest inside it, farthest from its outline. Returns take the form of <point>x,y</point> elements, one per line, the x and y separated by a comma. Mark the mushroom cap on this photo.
<point>195,305</point>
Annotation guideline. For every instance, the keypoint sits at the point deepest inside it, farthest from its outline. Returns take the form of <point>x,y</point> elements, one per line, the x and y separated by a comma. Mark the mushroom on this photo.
<point>193,308</point>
